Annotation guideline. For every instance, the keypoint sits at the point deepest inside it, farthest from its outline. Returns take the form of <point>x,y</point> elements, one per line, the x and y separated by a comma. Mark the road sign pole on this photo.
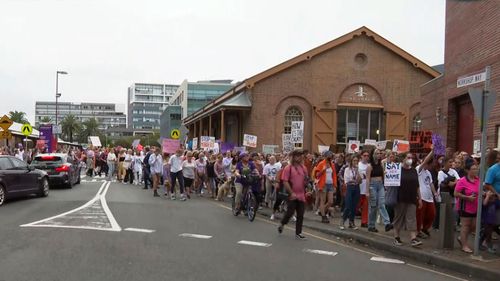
<point>484,123</point>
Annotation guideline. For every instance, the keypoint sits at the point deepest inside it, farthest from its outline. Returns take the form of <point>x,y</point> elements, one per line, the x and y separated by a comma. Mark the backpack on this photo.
<point>146,160</point>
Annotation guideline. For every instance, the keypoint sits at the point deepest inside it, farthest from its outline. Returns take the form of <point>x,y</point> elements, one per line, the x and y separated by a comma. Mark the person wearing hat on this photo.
<point>326,177</point>
<point>295,178</point>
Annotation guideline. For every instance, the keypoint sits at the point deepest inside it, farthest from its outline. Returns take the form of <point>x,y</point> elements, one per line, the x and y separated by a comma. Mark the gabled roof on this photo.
<point>250,82</point>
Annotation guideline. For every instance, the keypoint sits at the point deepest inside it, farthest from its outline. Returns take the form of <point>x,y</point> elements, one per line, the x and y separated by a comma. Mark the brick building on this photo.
<point>472,42</point>
<point>356,87</point>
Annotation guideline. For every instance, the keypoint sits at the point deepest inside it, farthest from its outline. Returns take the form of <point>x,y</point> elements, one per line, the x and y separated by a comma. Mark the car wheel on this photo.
<point>44,188</point>
<point>3,194</point>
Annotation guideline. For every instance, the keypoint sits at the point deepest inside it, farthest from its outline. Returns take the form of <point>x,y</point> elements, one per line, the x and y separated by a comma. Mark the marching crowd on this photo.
<point>351,184</point>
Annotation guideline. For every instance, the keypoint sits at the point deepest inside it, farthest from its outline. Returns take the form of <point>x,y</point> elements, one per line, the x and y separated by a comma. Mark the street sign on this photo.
<point>57,129</point>
<point>5,122</point>
<point>26,129</point>
<point>175,134</point>
<point>5,135</point>
<point>471,79</point>
<point>476,96</point>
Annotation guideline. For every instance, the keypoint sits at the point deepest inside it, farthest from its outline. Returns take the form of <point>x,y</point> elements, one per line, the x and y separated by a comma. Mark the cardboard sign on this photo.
<point>136,142</point>
<point>401,146</point>
<point>371,142</point>
<point>381,145</point>
<point>195,143</point>
<point>287,142</point>
<point>170,146</point>
<point>216,148</point>
<point>421,141</point>
<point>323,148</point>
<point>297,132</point>
<point>297,125</point>
<point>353,146</point>
<point>250,140</point>
<point>392,175</point>
<point>439,147</point>
<point>269,148</point>
<point>96,142</point>
<point>205,142</point>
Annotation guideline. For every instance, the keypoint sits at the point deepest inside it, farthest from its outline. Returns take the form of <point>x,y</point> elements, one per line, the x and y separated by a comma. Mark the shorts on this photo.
<point>405,214</point>
<point>188,182</point>
<point>464,214</point>
<point>328,188</point>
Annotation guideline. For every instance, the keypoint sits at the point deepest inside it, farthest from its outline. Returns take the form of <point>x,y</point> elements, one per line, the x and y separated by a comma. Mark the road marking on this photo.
<point>199,236</point>
<point>83,180</point>
<point>382,259</point>
<point>93,215</point>
<point>349,247</point>
<point>139,230</point>
<point>94,180</point>
<point>320,252</point>
<point>252,243</point>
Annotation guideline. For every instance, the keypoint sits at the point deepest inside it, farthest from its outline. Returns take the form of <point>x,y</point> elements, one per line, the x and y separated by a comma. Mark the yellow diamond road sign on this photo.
<point>175,134</point>
<point>27,129</point>
<point>5,135</point>
<point>5,122</point>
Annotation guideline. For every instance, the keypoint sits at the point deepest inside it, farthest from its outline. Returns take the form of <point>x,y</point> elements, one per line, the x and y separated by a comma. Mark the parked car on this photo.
<point>17,179</point>
<point>62,169</point>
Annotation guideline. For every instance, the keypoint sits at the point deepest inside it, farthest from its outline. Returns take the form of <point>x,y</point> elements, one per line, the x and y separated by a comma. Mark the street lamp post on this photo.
<point>58,95</point>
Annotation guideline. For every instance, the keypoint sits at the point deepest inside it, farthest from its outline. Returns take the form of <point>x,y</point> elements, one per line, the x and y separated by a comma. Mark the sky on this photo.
<point>107,45</point>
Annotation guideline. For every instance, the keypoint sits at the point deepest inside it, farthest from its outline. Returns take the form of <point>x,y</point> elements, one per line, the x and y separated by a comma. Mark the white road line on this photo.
<point>114,224</point>
<point>320,252</point>
<point>252,243</point>
<point>199,236</point>
<point>94,180</point>
<point>382,259</point>
<point>140,230</point>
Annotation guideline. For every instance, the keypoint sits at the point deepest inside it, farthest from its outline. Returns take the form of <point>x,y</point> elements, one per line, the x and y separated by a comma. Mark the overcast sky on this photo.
<point>106,45</point>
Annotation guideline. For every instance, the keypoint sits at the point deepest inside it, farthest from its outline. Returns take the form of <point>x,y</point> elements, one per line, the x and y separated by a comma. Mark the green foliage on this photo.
<point>18,117</point>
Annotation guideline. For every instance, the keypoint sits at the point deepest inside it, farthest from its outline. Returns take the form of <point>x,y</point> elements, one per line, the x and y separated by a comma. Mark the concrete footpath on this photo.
<point>487,267</point>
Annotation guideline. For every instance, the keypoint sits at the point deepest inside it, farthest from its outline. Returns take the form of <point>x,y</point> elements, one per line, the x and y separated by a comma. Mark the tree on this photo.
<point>45,120</point>
<point>70,125</point>
<point>90,128</point>
<point>18,117</point>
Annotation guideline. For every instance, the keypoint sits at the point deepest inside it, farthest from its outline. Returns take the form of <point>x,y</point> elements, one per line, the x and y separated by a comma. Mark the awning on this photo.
<point>239,101</point>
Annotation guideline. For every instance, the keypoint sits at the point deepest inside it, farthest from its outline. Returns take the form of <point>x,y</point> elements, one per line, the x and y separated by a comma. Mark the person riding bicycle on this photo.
<point>245,174</point>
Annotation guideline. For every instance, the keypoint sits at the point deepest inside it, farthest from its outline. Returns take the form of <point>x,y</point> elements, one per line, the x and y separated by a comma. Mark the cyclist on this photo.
<point>245,175</point>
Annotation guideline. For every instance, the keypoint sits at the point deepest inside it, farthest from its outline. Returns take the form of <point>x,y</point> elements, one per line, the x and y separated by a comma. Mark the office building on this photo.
<point>108,115</point>
<point>146,102</point>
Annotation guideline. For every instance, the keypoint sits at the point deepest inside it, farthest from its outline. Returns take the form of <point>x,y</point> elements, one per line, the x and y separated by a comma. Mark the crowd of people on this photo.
<point>350,184</point>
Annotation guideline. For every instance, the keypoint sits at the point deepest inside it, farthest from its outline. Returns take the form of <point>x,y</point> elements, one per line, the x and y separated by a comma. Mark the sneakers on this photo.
<point>294,218</point>
<point>300,237</point>
<point>397,241</point>
<point>388,227</point>
<point>172,197</point>
<point>372,229</point>
<point>272,217</point>
<point>324,219</point>
<point>426,232</point>
<point>280,229</point>
<point>415,243</point>
<point>342,226</point>
<point>352,226</point>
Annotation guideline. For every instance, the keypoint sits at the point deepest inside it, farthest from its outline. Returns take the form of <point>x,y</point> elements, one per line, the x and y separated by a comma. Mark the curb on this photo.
<point>414,254</point>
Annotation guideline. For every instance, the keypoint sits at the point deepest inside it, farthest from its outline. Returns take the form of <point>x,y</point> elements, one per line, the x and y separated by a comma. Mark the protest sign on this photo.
<point>205,142</point>
<point>249,140</point>
<point>287,142</point>
<point>136,142</point>
<point>371,142</point>
<point>323,148</point>
<point>420,141</point>
<point>269,148</point>
<point>439,147</point>
<point>353,146</point>
<point>195,144</point>
<point>381,145</point>
<point>401,146</point>
<point>170,146</point>
<point>392,175</point>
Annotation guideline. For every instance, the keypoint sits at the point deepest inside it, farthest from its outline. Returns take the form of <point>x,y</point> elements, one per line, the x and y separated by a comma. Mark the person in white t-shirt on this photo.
<point>270,171</point>
<point>426,214</point>
<point>364,190</point>
<point>175,163</point>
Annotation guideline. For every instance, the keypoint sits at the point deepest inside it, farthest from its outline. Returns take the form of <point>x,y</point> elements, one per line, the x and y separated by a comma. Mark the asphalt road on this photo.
<point>93,243</point>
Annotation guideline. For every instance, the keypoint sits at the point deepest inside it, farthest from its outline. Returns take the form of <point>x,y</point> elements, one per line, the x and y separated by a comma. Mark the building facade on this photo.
<point>145,104</point>
<point>192,96</point>
<point>170,119</point>
<point>108,115</point>
<point>470,45</point>
<point>356,87</point>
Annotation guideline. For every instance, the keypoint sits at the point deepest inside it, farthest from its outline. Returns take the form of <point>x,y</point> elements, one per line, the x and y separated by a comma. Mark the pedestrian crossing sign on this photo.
<point>27,129</point>
<point>175,134</point>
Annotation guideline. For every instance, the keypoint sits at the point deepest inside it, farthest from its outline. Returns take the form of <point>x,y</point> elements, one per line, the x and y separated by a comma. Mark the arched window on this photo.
<point>293,113</point>
<point>417,123</point>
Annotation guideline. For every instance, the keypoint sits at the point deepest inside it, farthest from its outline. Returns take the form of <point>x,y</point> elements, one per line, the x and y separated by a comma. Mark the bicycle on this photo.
<point>248,203</point>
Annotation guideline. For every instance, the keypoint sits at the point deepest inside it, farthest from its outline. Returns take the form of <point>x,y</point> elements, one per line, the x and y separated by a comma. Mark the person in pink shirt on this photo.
<point>466,192</point>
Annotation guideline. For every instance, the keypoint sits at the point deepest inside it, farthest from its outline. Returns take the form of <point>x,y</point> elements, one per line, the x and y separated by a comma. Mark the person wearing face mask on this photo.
<point>375,182</point>
<point>326,176</point>
<point>405,211</point>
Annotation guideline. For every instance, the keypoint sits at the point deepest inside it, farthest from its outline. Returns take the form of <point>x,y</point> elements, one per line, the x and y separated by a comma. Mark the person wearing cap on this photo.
<point>326,177</point>
<point>295,178</point>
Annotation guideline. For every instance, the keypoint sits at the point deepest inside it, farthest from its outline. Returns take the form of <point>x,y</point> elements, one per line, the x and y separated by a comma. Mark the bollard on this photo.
<point>446,222</point>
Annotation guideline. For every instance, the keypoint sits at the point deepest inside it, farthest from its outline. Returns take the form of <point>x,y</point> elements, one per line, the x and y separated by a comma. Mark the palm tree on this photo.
<point>18,117</point>
<point>70,125</point>
<point>90,128</point>
<point>45,120</point>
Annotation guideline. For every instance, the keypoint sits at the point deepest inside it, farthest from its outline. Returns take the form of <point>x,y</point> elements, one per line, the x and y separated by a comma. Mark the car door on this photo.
<point>72,173</point>
<point>27,178</point>
<point>7,176</point>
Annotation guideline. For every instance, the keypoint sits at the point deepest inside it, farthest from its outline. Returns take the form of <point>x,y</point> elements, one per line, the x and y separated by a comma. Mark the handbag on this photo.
<point>391,196</point>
